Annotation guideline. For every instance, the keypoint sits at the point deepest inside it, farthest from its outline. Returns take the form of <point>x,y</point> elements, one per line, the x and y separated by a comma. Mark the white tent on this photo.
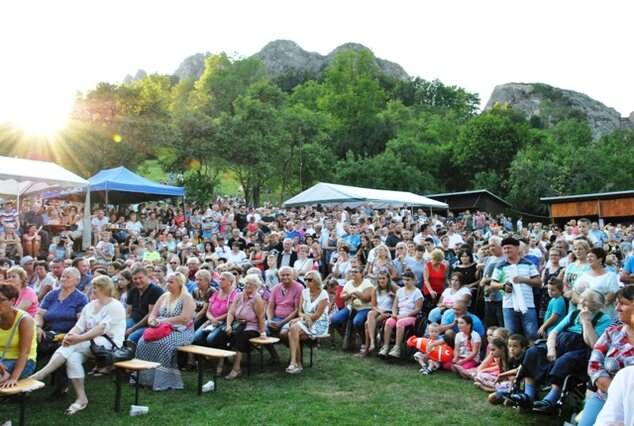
<point>20,177</point>
<point>352,196</point>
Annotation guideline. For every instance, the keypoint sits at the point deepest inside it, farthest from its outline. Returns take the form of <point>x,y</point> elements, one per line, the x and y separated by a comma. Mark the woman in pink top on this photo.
<point>211,333</point>
<point>247,308</point>
<point>27,299</point>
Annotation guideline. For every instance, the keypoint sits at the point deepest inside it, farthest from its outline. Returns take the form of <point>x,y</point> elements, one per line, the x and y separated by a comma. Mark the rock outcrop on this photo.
<point>282,56</point>
<point>548,102</point>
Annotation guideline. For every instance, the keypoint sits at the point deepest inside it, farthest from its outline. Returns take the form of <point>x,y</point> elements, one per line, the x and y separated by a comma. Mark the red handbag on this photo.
<point>158,332</point>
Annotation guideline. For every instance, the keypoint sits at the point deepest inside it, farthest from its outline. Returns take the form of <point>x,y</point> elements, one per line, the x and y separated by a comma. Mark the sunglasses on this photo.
<point>308,280</point>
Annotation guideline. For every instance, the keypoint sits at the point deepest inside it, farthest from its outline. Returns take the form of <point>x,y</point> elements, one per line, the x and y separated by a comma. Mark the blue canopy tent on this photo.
<point>121,186</point>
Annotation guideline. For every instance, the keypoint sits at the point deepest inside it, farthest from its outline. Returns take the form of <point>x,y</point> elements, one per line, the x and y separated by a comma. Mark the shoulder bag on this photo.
<point>105,357</point>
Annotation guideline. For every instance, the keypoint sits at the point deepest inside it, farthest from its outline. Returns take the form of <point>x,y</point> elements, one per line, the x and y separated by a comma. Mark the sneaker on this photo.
<point>209,386</point>
<point>425,371</point>
<point>395,352</point>
<point>383,351</point>
<point>362,348</point>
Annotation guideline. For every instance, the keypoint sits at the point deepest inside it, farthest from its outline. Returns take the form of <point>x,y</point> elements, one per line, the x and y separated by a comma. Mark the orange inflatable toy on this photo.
<point>441,353</point>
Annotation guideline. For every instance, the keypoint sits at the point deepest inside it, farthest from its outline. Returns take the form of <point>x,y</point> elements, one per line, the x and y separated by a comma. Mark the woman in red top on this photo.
<point>434,275</point>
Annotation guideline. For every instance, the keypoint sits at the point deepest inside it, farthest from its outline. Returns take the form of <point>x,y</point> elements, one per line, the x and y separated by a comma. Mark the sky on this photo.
<point>52,49</point>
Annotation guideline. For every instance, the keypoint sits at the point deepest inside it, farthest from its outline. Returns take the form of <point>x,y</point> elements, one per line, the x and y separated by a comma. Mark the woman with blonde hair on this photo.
<point>170,325</point>
<point>312,320</point>
<point>105,315</point>
<point>27,299</point>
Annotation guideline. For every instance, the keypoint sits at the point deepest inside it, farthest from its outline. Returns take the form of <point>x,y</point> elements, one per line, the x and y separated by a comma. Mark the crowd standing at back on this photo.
<point>290,272</point>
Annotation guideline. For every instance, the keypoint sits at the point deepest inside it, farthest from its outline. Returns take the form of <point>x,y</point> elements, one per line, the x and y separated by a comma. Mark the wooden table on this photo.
<point>259,344</point>
<point>23,387</point>
<point>201,353</point>
<point>136,365</point>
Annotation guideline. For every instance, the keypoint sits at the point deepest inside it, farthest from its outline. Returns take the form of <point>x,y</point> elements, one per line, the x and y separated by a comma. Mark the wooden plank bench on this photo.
<point>23,387</point>
<point>136,365</point>
<point>259,343</point>
<point>311,343</point>
<point>201,353</point>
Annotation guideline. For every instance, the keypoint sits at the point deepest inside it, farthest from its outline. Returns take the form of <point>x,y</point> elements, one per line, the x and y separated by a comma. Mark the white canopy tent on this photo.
<point>21,178</point>
<point>353,196</point>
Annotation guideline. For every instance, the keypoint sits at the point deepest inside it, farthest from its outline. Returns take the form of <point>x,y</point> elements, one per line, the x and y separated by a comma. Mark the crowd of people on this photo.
<point>468,293</point>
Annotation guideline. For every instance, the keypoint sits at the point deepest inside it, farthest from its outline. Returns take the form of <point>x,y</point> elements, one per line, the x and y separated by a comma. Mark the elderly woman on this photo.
<point>613,351</point>
<point>105,315</point>
<point>43,282</point>
<point>407,304</point>
<point>57,314</point>
<point>246,312</point>
<point>303,264</point>
<point>566,352</point>
<point>312,321</point>
<point>27,299</point>
<point>176,307</point>
<point>202,294</point>
<point>382,261</point>
<point>17,337</point>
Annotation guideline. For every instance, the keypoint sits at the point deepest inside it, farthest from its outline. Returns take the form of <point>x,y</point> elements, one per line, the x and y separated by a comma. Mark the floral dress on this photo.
<point>167,375</point>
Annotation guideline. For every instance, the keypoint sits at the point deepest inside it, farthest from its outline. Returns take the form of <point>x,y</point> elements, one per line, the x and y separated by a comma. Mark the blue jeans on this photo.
<point>137,334</point>
<point>513,319</point>
<point>29,368</point>
<point>435,315</point>
<point>212,339</point>
<point>591,409</point>
<point>358,321</point>
<point>276,319</point>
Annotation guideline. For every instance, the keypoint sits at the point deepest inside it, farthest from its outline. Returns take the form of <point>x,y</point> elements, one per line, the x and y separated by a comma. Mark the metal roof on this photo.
<point>599,195</point>
<point>476,191</point>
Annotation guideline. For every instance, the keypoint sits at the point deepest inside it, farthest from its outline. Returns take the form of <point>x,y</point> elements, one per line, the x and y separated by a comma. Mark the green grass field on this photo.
<point>339,389</point>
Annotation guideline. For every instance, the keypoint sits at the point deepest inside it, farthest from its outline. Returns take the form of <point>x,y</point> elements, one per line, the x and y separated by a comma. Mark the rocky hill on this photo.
<point>552,104</point>
<point>282,56</point>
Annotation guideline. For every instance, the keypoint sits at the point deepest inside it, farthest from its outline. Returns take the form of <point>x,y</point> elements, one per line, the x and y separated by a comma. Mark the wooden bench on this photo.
<point>311,343</point>
<point>23,387</point>
<point>136,365</point>
<point>259,343</point>
<point>201,353</point>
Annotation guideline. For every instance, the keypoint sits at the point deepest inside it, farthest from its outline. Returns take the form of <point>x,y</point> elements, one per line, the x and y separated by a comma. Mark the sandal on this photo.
<point>362,354</point>
<point>74,408</point>
<point>294,369</point>
<point>233,375</point>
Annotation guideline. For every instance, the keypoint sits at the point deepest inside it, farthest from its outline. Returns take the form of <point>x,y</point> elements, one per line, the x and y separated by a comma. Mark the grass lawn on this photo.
<point>339,389</point>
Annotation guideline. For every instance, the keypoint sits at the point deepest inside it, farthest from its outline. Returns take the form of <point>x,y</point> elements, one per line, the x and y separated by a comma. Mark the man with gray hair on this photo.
<point>288,256</point>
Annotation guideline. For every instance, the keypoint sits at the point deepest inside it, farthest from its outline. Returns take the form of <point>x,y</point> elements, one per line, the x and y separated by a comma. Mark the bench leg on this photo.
<point>22,409</point>
<point>216,378</point>
<point>261,349</point>
<point>200,361</point>
<point>137,385</point>
<point>311,355</point>
<point>117,394</point>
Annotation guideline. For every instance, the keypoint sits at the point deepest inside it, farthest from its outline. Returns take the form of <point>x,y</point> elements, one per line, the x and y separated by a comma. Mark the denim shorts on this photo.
<point>29,368</point>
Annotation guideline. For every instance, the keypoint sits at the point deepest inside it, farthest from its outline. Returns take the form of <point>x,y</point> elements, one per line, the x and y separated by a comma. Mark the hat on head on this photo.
<point>25,260</point>
<point>510,241</point>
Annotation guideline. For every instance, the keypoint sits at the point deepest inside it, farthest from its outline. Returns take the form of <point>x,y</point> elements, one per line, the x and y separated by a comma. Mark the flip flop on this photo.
<point>74,408</point>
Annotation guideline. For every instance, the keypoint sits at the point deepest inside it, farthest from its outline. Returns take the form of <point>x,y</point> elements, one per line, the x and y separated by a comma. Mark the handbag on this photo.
<point>238,326</point>
<point>49,343</point>
<point>105,357</point>
<point>157,333</point>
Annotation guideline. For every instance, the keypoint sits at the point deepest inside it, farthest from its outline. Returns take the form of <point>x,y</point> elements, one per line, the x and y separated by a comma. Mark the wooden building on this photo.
<point>480,199</point>
<point>611,206</point>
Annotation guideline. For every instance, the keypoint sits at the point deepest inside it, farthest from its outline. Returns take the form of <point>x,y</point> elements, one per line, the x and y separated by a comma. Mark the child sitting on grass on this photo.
<point>556,307</point>
<point>488,365</point>
<point>433,352</point>
<point>485,378</point>
<point>517,345</point>
<point>466,347</point>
